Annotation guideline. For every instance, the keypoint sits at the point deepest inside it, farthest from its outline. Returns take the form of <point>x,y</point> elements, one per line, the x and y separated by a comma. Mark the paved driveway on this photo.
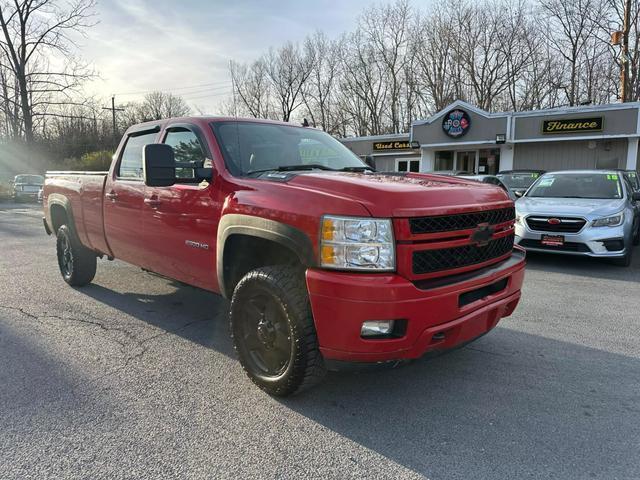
<point>134,377</point>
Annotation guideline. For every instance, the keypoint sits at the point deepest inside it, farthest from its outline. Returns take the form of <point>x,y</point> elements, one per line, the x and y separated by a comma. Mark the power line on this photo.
<point>209,96</point>
<point>221,84</point>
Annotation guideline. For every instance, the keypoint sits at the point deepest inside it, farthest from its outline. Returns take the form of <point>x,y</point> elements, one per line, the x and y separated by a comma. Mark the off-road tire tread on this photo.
<point>308,366</point>
<point>84,259</point>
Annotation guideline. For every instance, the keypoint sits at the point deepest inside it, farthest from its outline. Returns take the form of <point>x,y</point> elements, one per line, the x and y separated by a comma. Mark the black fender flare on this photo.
<point>286,235</point>
<point>62,201</point>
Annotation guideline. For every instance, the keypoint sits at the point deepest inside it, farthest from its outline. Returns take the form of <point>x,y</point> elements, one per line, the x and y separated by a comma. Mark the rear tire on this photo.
<point>77,263</point>
<point>273,331</point>
<point>636,237</point>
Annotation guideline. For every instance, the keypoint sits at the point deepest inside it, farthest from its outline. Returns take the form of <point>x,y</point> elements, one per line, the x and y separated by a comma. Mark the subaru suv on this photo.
<point>583,212</point>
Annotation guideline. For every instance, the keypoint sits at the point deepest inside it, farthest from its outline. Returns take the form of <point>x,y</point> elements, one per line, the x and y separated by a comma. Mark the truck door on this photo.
<point>181,221</point>
<point>123,201</point>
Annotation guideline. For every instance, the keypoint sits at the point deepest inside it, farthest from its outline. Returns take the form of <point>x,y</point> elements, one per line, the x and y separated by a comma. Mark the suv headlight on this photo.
<point>351,243</point>
<point>612,221</point>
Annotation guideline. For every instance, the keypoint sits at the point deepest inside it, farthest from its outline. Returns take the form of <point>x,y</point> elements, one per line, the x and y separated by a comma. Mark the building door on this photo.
<point>466,161</point>
<point>489,163</point>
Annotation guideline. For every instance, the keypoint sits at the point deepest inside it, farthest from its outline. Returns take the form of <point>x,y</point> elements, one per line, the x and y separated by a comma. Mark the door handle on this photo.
<point>153,202</point>
<point>111,195</point>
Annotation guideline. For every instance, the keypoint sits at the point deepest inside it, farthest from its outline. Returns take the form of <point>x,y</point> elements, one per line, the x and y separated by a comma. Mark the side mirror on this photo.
<point>159,165</point>
<point>519,193</point>
<point>635,196</point>
<point>370,161</point>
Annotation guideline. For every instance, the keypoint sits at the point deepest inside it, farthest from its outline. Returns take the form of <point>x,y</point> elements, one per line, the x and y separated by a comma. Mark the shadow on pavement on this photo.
<point>482,412</point>
<point>203,312</point>
<point>584,266</point>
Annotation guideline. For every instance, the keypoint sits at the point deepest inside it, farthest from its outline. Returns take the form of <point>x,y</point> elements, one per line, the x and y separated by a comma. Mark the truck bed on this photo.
<point>85,193</point>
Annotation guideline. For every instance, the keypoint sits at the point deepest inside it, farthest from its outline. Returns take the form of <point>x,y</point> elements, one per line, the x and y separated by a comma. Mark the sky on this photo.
<point>185,46</point>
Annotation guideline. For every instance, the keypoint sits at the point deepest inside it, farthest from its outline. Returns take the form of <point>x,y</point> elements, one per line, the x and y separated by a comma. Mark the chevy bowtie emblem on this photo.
<point>482,234</point>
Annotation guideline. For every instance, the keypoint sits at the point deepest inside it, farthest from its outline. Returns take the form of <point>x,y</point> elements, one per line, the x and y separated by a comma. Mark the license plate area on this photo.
<point>552,240</point>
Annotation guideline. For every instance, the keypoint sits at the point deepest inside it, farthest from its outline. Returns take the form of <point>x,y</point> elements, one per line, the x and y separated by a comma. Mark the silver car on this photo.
<point>582,212</point>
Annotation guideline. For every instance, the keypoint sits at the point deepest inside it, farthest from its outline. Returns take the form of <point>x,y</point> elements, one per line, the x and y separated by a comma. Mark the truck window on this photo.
<point>131,161</point>
<point>187,149</point>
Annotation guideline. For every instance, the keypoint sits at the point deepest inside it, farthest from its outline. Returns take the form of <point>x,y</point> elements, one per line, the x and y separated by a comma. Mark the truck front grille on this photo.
<point>461,221</point>
<point>428,261</point>
<point>556,224</point>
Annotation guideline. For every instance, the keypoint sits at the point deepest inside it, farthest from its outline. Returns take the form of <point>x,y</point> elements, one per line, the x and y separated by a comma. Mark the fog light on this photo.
<point>376,328</point>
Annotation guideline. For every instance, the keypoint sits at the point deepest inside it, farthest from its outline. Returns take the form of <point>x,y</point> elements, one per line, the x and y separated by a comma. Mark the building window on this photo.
<point>444,160</point>
<point>408,165</point>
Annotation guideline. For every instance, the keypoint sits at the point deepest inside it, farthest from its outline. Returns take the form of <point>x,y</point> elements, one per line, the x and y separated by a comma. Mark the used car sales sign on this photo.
<point>575,125</point>
<point>377,146</point>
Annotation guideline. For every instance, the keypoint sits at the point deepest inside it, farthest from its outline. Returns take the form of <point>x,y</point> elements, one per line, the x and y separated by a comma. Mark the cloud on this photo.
<point>143,45</point>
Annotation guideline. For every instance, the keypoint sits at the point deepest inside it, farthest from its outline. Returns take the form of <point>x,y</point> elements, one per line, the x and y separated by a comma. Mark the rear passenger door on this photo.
<point>181,221</point>
<point>123,201</point>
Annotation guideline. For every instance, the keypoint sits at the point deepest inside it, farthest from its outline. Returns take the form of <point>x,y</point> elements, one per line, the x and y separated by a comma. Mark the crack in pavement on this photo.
<point>135,343</point>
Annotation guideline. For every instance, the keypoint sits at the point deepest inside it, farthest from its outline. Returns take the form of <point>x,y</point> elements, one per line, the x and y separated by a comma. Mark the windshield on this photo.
<point>522,180</point>
<point>250,147</point>
<point>577,185</point>
<point>30,179</point>
<point>634,180</point>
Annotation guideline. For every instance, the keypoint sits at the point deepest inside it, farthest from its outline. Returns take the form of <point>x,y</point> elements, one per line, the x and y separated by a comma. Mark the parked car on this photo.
<point>324,260</point>
<point>633,178</point>
<point>518,181</point>
<point>26,187</point>
<point>583,212</point>
<point>492,180</point>
<point>40,192</point>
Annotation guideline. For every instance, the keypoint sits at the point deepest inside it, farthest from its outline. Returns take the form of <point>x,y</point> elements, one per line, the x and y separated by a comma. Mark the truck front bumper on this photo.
<point>439,314</point>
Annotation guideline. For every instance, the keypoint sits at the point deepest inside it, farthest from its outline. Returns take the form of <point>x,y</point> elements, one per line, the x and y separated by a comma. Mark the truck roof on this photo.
<point>204,119</point>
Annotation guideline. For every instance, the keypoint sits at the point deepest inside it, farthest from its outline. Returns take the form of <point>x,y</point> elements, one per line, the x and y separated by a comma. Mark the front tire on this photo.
<point>273,330</point>
<point>77,263</point>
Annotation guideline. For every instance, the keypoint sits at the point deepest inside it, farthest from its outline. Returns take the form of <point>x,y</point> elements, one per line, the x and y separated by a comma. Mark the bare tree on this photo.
<point>572,25</point>
<point>288,70</point>
<point>252,90</point>
<point>34,31</point>
<point>318,96</point>
<point>159,105</point>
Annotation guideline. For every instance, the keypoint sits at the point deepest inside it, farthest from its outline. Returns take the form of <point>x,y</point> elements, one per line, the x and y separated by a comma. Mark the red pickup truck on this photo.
<point>325,261</point>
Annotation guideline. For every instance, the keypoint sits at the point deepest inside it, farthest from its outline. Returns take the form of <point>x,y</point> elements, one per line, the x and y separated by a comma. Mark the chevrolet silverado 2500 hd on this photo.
<point>324,260</point>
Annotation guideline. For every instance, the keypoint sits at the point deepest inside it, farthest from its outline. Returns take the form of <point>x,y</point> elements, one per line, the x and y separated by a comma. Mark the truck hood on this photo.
<point>583,207</point>
<point>400,195</point>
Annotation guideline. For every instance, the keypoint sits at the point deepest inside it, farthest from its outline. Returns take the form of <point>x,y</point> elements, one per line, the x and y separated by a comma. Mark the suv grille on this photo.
<point>461,221</point>
<point>427,261</point>
<point>560,224</point>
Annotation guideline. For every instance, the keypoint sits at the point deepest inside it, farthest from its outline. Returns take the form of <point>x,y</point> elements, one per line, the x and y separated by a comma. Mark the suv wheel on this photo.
<point>273,330</point>
<point>636,235</point>
<point>77,263</point>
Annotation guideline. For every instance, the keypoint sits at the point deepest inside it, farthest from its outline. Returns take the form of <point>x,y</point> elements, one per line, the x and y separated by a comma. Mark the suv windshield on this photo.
<point>251,147</point>
<point>30,179</point>
<point>521,180</point>
<point>577,185</point>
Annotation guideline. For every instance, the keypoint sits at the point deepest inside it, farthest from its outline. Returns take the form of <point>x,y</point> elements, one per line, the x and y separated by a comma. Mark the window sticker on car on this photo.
<point>546,182</point>
<point>612,176</point>
<point>535,175</point>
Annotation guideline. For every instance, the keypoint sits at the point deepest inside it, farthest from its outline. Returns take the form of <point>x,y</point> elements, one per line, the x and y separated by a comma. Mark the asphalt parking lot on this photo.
<point>134,376</point>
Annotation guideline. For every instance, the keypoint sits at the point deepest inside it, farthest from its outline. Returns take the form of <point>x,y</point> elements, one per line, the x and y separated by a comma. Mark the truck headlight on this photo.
<point>350,243</point>
<point>612,221</point>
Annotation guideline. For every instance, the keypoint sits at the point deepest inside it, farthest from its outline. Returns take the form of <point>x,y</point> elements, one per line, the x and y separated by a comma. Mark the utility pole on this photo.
<point>622,38</point>
<point>113,114</point>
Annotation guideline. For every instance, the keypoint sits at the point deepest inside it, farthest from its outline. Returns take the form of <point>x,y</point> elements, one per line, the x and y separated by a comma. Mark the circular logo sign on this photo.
<point>456,123</point>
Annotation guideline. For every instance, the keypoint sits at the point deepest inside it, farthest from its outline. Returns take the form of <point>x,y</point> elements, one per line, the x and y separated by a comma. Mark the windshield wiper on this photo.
<point>292,168</point>
<point>356,169</point>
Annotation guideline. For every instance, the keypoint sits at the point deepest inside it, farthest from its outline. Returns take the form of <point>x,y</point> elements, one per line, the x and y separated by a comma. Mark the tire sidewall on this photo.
<point>63,232</point>
<point>262,281</point>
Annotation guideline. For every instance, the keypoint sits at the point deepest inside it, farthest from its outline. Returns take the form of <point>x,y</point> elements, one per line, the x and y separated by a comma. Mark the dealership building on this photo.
<point>465,138</point>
